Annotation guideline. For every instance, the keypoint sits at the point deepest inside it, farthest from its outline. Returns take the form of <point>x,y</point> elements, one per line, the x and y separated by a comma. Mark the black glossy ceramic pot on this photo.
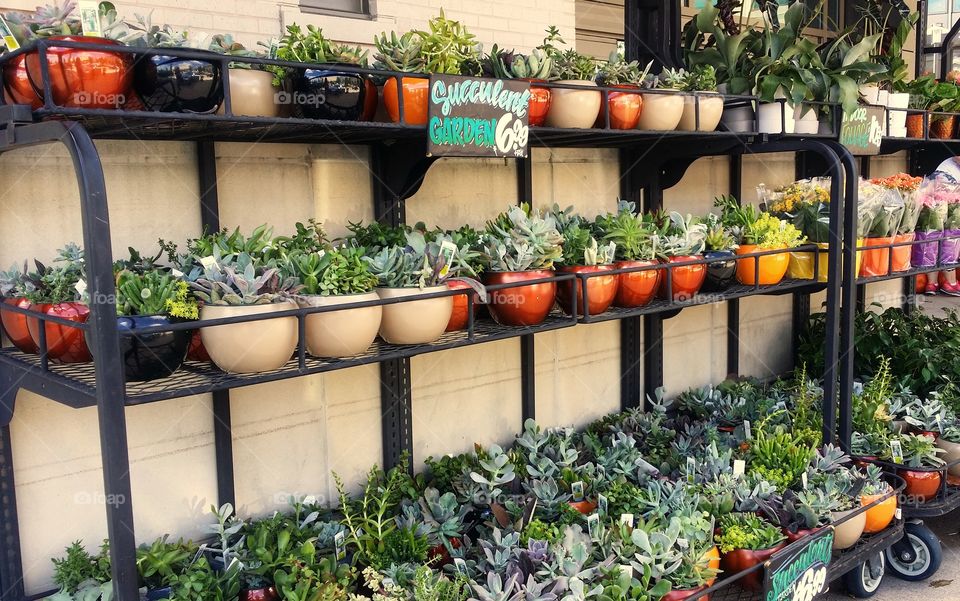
<point>720,274</point>
<point>176,84</point>
<point>152,355</point>
<point>325,94</point>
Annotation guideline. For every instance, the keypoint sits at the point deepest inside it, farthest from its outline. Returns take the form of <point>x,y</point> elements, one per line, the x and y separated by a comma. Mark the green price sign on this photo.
<point>862,129</point>
<point>799,572</point>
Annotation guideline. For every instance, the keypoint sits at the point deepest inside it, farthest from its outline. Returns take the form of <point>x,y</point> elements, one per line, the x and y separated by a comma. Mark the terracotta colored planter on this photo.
<point>259,594</point>
<point>942,127</point>
<point>625,108</point>
<point>847,534</point>
<point>952,454</point>
<point>901,254</point>
<point>880,515</point>
<point>713,554</point>
<point>64,343</point>
<point>638,288</point>
<point>661,112</point>
<point>915,125</point>
<point>920,485</point>
<point>15,326</point>
<point>460,317</point>
<point>876,262</point>
<point>251,346</point>
<point>522,305</point>
<point>744,559</point>
<point>440,555</point>
<point>680,595</point>
<point>252,94</point>
<point>92,79</point>
<point>685,280</point>
<point>772,267</point>
<point>539,104</point>
<point>418,321</point>
<point>601,290</point>
<point>575,109</point>
<point>196,351</point>
<point>795,536</point>
<point>16,83</point>
<point>711,111</point>
<point>585,507</point>
<point>341,333</point>
<point>416,93</point>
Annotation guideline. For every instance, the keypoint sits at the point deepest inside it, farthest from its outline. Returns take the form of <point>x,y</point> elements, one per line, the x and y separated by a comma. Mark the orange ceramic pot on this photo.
<point>942,127</point>
<point>921,283</point>
<point>539,104</point>
<point>600,289</point>
<point>685,280</point>
<point>772,267</point>
<point>91,79</point>
<point>585,507</point>
<point>921,485</point>
<point>876,261</point>
<point>196,351</point>
<point>901,254</point>
<point>880,515</point>
<point>461,306</point>
<point>16,83</point>
<point>15,326</point>
<point>370,100</point>
<point>525,305</point>
<point>713,554</point>
<point>636,289</point>
<point>915,125</point>
<point>64,343</point>
<point>680,595</point>
<point>625,108</point>
<point>743,559</point>
<point>416,92</point>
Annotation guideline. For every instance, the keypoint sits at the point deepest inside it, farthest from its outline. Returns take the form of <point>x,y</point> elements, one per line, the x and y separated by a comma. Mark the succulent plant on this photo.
<point>400,53</point>
<point>580,247</point>
<point>522,239</point>
<point>446,47</point>
<point>227,282</point>
<point>144,34</point>
<point>53,19</point>
<point>672,79</point>
<point>683,236</point>
<point>507,64</point>
<point>618,71</point>
<point>154,293</point>
<point>336,271</point>
<point>717,238</point>
<point>419,264</point>
<point>11,280</point>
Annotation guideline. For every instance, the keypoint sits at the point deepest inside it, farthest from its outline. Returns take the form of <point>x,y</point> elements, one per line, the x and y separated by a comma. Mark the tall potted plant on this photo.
<point>582,254</point>
<point>62,293</point>
<point>636,246</point>
<point>572,108</point>
<point>521,244</point>
<point>664,104</point>
<point>240,287</point>
<point>535,67</point>
<point>625,107</point>
<point>906,186</point>
<point>408,271</point>
<point>334,277</point>
<point>682,240</point>
<point>151,299</point>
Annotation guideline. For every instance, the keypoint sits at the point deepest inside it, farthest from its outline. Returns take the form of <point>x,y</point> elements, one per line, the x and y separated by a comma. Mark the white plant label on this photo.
<point>627,518</point>
<point>338,539</point>
<point>747,432</point>
<point>461,565</point>
<point>593,525</point>
<point>448,250</point>
<point>691,470</point>
<point>208,262</point>
<point>9,40</point>
<point>899,514</point>
<point>803,480</point>
<point>577,489</point>
<point>896,451</point>
<point>739,467</point>
<point>90,17</point>
<point>602,504</point>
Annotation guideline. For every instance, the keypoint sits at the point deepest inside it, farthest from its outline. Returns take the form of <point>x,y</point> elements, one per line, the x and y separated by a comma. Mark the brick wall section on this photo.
<point>511,23</point>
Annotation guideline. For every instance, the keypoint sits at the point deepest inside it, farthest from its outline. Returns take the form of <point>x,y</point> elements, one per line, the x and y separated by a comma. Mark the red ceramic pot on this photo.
<point>196,351</point>
<point>743,559</point>
<point>371,98</point>
<point>259,594</point>
<point>601,289</point>
<point>539,104</point>
<point>930,434</point>
<point>687,279</point>
<point>92,79</point>
<point>625,108</point>
<point>685,594</point>
<point>862,461</point>
<point>461,306</point>
<point>636,289</point>
<point>15,326</point>
<point>16,83</point>
<point>64,343</point>
<point>795,536</point>
<point>585,507</point>
<point>439,555</point>
<point>521,305</point>
<point>920,485</point>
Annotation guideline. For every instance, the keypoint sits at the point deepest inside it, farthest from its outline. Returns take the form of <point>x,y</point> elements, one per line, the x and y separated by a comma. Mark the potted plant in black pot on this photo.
<point>153,298</point>
<point>160,564</point>
<point>719,247</point>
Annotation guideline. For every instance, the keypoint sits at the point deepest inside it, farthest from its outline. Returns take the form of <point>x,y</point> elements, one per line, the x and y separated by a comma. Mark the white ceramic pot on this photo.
<point>897,120</point>
<point>847,534</point>
<point>883,98</point>
<point>739,119</point>
<point>711,111</point>
<point>870,92</point>
<point>952,454</point>
<point>661,112</point>
<point>776,118</point>
<point>344,332</point>
<point>252,94</point>
<point>574,108</point>
<point>252,346</point>
<point>415,322</point>
<point>807,120</point>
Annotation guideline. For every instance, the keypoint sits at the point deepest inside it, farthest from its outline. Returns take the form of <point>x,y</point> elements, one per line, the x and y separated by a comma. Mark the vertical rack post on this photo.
<point>861,289</point>
<point>653,322</point>
<point>528,359</point>
<point>733,305</point>
<point>222,424</point>
<point>631,340</point>
<point>11,564</point>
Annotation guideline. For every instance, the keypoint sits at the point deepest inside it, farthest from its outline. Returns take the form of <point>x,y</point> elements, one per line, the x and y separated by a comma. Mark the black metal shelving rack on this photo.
<point>398,165</point>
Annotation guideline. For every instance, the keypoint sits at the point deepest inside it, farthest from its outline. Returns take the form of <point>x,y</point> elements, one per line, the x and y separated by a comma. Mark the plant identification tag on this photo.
<point>747,432</point>
<point>9,40</point>
<point>461,565</point>
<point>626,570</point>
<point>896,451</point>
<point>691,470</point>
<point>90,16</point>
<point>208,262</point>
<point>803,480</point>
<point>338,544</point>
<point>577,490</point>
<point>739,467</point>
<point>593,525</point>
<point>448,250</point>
<point>602,504</point>
<point>899,515</point>
<point>627,518</point>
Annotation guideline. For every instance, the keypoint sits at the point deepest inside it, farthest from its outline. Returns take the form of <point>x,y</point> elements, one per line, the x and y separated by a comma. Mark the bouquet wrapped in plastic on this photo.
<point>805,204</point>
<point>933,196</point>
<point>886,205</point>
<point>950,245</point>
<point>906,186</point>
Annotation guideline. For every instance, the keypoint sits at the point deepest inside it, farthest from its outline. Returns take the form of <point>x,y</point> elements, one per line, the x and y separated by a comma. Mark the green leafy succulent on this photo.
<point>338,271</point>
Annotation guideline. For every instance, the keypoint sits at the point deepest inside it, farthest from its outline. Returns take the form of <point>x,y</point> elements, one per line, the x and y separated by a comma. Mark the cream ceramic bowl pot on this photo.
<point>661,112</point>
<point>847,534</point>
<point>952,454</point>
<point>414,322</point>
<point>711,111</point>
<point>574,108</point>
<point>252,94</point>
<point>344,332</point>
<point>252,346</point>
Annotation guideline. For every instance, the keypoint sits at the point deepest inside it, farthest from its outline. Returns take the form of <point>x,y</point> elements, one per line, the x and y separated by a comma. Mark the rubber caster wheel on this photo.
<point>917,557</point>
<point>864,580</point>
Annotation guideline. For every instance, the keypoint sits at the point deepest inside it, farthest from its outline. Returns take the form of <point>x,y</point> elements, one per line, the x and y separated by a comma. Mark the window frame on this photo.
<point>366,9</point>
